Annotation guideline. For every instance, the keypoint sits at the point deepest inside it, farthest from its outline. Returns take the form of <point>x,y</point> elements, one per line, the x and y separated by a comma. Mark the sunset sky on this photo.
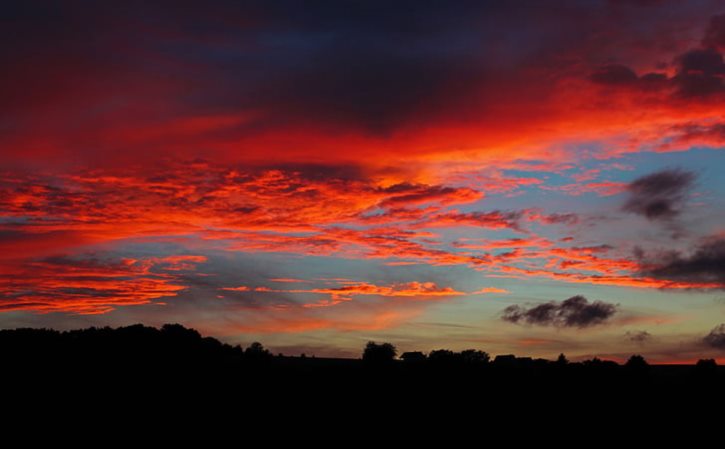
<point>528,177</point>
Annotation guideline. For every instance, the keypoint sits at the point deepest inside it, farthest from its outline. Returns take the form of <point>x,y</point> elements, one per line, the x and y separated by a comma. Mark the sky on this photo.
<point>518,177</point>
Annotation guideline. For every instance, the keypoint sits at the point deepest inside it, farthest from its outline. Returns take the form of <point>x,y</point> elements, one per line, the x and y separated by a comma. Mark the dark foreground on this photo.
<point>143,387</point>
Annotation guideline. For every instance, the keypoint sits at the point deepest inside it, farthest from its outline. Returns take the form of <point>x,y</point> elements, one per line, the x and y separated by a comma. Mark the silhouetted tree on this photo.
<point>442,356</point>
<point>179,332</point>
<point>256,351</point>
<point>637,365</point>
<point>474,356</point>
<point>379,353</point>
<point>562,360</point>
<point>636,362</point>
<point>706,363</point>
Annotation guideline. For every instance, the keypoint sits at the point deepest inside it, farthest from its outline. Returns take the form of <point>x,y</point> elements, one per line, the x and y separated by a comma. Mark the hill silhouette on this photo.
<point>172,387</point>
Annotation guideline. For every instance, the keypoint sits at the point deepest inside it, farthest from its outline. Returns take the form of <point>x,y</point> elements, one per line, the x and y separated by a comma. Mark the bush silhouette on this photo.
<point>413,357</point>
<point>706,367</point>
<point>379,353</point>
<point>636,362</point>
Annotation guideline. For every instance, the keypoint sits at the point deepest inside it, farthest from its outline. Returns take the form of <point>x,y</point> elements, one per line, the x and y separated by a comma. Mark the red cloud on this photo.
<point>487,245</point>
<point>407,194</point>
<point>90,286</point>
<point>305,172</point>
<point>490,220</point>
<point>287,211</point>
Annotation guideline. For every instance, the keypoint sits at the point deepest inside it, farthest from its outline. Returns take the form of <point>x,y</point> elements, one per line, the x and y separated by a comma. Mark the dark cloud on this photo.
<point>659,196</point>
<point>496,219</point>
<point>715,34</point>
<point>576,311</point>
<point>614,74</point>
<point>567,219</point>
<point>322,172</point>
<point>371,65</point>
<point>706,264</point>
<point>618,75</point>
<point>716,337</point>
<point>639,337</point>
<point>701,73</point>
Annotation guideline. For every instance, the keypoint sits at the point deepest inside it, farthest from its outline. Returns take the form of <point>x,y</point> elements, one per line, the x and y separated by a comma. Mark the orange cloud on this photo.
<point>292,210</point>
<point>282,322</point>
<point>89,286</point>
<point>615,280</point>
<point>487,290</point>
<point>487,245</point>
<point>347,292</point>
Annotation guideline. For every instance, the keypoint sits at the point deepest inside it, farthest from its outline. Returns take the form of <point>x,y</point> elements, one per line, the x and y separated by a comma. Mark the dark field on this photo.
<point>139,386</point>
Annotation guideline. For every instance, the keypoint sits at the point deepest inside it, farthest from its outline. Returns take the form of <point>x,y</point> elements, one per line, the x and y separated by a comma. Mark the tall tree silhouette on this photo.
<point>562,360</point>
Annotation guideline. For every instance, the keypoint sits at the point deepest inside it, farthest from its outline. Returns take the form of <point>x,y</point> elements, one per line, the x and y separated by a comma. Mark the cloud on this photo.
<point>639,337</point>
<point>408,96</point>
<point>568,219</point>
<point>242,288</point>
<point>348,137</point>
<point>703,265</point>
<point>603,188</point>
<point>701,73</point>
<point>104,205</point>
<point>347,292</point>
<point>91,286</point>
<point>622,77</point>
<point>487,290</point>
<point>614,74</point>
<point>482,244</point>
<point>491,220</point>
<point>604,276</point>
<point>659,196</point>
<point>407,194</point>
<point>686,135</point>
<point>289,280</point>
<point>715,34</point>
<point>573,312</point>
<point>716,337</point>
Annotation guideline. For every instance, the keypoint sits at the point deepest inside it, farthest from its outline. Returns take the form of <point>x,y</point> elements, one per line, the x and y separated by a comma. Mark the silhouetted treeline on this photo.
<point>171,386</point>
<point>173,344</point>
